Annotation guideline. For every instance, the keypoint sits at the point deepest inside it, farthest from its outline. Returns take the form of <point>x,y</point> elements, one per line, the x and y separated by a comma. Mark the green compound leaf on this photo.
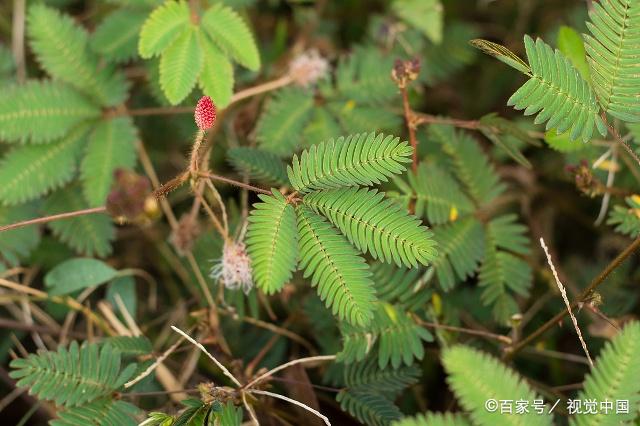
<point>283,121</point>
<point>61,47</point>
<point>272,242</point>
<point>433,419</point>
<point>54,106</point>
<point>72,376</point>
<point>116,38</point>
<point>614,377</point>
<point>371,408</point>
<point>476,377</point>
<point>502,54</point>
<point>109,411</point>
<point>111,146</point>
<point>180,65</point>
<point>216,79</point>
<point>162,27</point>
<point>341,275</point>
<point>259,165</point>
<point>232,35</point>
<point>557,92</point>
<point>18,243</point>
<point>88,234</point>
<point>376,225</point>
<point>363,159</point>
<point>424,15</point>
<point>612,50</point>
<point>28,172</point>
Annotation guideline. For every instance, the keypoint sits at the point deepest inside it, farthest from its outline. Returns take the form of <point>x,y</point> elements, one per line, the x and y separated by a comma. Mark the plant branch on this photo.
<point>499,337</point>
<point>233,182</point>
<point>509,354</point>
<point>409,118</point>
<point>53,218</point>
<point>432,119</point>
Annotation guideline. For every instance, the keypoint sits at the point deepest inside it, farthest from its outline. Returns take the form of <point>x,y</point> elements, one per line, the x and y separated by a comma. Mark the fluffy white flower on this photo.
<point>306,69</point>
<point>234,269</point>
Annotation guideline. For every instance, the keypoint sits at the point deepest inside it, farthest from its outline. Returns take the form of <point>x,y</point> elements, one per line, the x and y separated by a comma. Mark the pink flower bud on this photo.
<point>205,113</point>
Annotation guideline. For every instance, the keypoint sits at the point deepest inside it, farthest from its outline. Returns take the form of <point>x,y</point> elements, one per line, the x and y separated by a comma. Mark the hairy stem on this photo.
<point>52,218</point>
<point>234,182</point>
<point>411,126</point>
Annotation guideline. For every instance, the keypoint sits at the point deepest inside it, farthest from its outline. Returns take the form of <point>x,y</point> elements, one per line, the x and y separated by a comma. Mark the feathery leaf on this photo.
<point>614,377</point>
<point>556,90</point>
<point>376,225</point>
<point>42,111</point>
<point>259,165</point>
<point>162,27</point>
<point>116,38</point>
<point>111,146</point>
<point>231,34</point>
<point>272,242</point>
<point>281,124</point>
<point>612,51</point>
<point>216,79</point>
<point>72,376</point>
<point>475,377</point>
<point>180,65</point>
<point>30,171</point>
<point>102,412</point>
<point>341,275</point>
<point>363,159</point>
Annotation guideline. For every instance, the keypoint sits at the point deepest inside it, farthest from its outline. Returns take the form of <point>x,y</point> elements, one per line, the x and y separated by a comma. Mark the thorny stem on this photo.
<point>432,119</point>
<point>616,135</point>
<point>510,353</point>
<point>53,218</point>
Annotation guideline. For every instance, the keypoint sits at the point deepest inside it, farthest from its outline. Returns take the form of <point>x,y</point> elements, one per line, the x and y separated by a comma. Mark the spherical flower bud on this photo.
<point>205,113</point>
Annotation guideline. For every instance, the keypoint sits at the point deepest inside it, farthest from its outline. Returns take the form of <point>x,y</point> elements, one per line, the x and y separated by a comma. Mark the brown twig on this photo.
<point>233,182</point>
<point>488,335</point>
<point>53,218</point>
<point>409,119</point>
<point>616,135</point>
<point>509,354</point>
<point>420,118</point>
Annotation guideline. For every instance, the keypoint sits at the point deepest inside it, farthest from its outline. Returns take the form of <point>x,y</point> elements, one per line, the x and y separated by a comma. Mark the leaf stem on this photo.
<point>53,218</point>
<point>409,117</point>
<point>499,337</point>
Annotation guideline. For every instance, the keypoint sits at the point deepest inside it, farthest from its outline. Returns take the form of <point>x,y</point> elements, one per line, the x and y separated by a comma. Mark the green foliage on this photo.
<point>469,163</point>
<point>425,15</point>
<point>259,165</point>
<point>111,146</point>
<point>403,287</point>
<point>162,27</point>
<point>437,195</point>
<point>231,34</point>
<point>556,90</point>
<point>370,408</point>
<point>614,378</point>
<point>57,108</point>
<point>571,45</point>
<point>62,49</point>
<point>393,336</point>
<point>272,240</point>
<point>89,234</point>
<point>18,243</point>
<point>341,275</point>
<point>101,412</point>
<point>116,38</point>
<point>461,248</point>
<point>612,48</point>
<point>376,225</point>
<point>475,377</point>
<point>30,171</point>
<point>131,346</point>
<point>282,122</point>
<point>193,52</point>
<point>368,375</point>
<point>72,376</point>
<point>363,159</point>
<point>180,65</point>
<point>77,274</point>
<point>627,219</point>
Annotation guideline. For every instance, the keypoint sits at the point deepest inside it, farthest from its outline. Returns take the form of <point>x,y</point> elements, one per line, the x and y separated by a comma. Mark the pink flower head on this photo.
<point>205,114</point>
